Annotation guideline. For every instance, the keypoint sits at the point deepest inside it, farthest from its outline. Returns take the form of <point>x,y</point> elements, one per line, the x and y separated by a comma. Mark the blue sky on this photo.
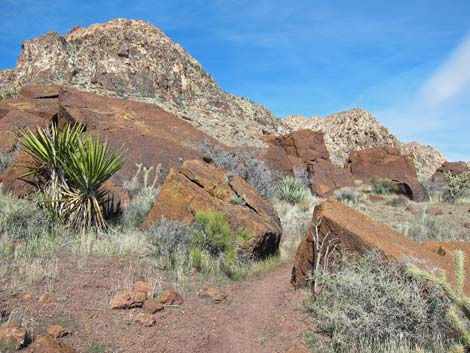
<point>407,62</point>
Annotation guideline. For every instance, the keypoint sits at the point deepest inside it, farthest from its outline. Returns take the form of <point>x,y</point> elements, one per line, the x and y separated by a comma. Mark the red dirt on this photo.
<point>260,314</point>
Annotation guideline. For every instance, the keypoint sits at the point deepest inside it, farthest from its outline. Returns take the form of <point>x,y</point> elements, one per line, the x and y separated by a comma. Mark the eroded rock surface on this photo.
<point>199,186</point>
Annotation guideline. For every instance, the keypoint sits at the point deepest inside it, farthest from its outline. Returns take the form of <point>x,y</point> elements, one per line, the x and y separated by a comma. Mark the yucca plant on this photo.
<point>292,190</point>
<point>87,169</point>
<point>71,170</point>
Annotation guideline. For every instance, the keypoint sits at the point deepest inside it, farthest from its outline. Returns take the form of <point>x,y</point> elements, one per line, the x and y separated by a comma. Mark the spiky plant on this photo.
<point>87,169</point>
<point>71,170</point>
<point>292,190</point>
<point>48,147</point>
<point>460,302</point>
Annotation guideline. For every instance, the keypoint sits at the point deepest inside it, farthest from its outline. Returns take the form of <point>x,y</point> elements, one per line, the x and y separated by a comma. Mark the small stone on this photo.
<point>57,331</point>
<point>145,319</point>
<point>141,286</point>
<point>44,344</point>
<point>467,225</point>
<point>443,251</point>
<point>28,296</point>
<point>47,298</point>
<point>129,299</point>
<point>12,335</point>
<point>151,306</point>
<point>171,297</point>
<point>216,294</point>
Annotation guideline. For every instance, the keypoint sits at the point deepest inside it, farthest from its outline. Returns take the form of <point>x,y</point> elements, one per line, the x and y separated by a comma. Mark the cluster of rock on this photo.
<point>356,130</point>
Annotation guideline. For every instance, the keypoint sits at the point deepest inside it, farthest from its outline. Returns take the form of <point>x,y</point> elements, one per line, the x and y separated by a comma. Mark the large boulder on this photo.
<point>387,162</point>
<point>357,233</point>
<point>148,134</point>
<point>453,168</point>
<point>305,151</point>
<point>199,186</point>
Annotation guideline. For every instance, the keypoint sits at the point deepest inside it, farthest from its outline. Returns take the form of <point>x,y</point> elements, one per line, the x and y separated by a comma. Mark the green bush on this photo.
<point>292,190</point>
<point>71,170</point>
<point>383,186</point>
<point>349,196</point>
<point>458,186</point>
<point>6,159</point>
<point>214,238</point>
<point>9,91</point>
<point>368,305</point>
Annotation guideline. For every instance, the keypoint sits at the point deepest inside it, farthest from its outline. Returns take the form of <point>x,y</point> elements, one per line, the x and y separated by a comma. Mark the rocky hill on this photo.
<point>131,58</point>
<point>355,130</point>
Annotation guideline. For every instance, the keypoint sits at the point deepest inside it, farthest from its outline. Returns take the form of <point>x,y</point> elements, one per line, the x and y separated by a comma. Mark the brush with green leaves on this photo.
<point>71,169</point>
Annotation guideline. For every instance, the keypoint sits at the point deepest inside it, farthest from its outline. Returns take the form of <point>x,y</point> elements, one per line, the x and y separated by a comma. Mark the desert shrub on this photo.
<point>458,187</point>
<point>237,200</point>
<point>459,311</point>
<point>171,241</point>
<point>424,227</point>
<point>21,218</point>
<point>144,194</point>
<point>368,304</point>
<point>349,196</point>
<point>213,238</point>
<point>9,91</point>
<point>292,190</point>
<point>383,186</point>
<point>254,171</point>
<point>71,170</point>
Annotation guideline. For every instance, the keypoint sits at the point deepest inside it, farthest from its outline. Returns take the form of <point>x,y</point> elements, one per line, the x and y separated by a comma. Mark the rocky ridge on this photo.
<point>131,58</point>
<point>356,130</point>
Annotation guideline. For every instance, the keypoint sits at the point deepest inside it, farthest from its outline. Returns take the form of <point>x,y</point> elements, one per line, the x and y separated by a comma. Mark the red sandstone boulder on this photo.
<point>387,162</point>
<point>149,134</point>
<point>40,91</point>
<point>12,336</point>
<point>454,168</point>
<point>305,150</point>
<point>129,299</point>
<point>199,186</point>
<point>357,233</point>
<point>44,344</point>
<point>170,297</point>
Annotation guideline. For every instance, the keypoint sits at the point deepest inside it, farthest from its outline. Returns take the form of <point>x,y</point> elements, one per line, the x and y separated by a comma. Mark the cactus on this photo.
<point>460,303</point>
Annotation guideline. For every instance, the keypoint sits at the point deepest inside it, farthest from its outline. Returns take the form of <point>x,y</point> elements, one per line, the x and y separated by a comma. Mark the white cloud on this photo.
<point>451,79</point>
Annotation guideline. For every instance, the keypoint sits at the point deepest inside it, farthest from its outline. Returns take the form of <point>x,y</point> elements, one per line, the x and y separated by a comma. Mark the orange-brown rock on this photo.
<point>12,336</point>
<point>434,211</point>
<point>305,150</point>
<point>57,331</point>
<point>142,286</point>
<point>13,179</point>
<point>358,233</point>
<point>170,297</point>
<point>151,306</point>
<point>39,91</point>
<point>388,163</point>
<point>215,294</point>
<point>376,198</point>
<point>44,344</point>
<point>199,186</point>
<point>145,319</point>
<point>453,168</point>
<point>149,134</point>
<point>47,298</point>
<point>129,299</point>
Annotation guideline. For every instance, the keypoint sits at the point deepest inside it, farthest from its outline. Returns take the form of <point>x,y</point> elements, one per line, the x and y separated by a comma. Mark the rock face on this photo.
<point>199,186</point>
<point>305,151</point>
<point>148,134</point>
<point>454,168</point>
<point>387,163</point>
<point>355,130</point>
<point>135,59</point>
<point>358,233</point>
<point>12,336</point>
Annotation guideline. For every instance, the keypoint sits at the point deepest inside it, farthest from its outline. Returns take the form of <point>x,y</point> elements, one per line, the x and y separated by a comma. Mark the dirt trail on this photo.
<point>262,314</point>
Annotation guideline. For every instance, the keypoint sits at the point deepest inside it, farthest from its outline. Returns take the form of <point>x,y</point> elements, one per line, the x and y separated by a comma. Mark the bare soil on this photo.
<point>261,314</point>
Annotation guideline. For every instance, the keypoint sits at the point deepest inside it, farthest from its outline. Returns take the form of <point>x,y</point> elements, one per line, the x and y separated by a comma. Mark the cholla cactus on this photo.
<point>460,303</point>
